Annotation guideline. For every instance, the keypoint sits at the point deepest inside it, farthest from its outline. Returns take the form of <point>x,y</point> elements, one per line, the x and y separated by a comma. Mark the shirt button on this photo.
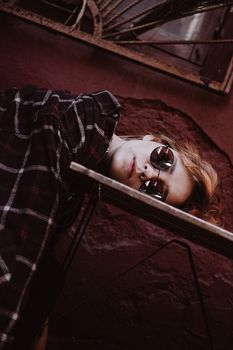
<point>115,115</point>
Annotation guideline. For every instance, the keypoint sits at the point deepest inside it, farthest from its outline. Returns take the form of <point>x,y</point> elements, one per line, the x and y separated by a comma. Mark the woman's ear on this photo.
<point>148,137</point>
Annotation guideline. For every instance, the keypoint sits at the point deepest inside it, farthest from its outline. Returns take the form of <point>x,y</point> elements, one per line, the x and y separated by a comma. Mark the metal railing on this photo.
<point>183,225</point>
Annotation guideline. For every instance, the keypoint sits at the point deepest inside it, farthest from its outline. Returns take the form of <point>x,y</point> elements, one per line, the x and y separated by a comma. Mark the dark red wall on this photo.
<point>156,305</point>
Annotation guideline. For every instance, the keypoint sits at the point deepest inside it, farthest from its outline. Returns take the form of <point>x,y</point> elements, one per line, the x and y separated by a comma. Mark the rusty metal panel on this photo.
<point>113,28</point>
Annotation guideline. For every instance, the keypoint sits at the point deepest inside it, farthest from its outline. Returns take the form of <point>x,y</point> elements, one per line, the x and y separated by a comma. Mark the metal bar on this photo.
<point>137,264</point>
<point>114,280</point>
<point>135,16</point>
<point>102,8</point>
<point>159,22</point>
<point>70,16</point>
<point>198,288</point>
<point>229,77</point>
<point>173,42</point>
<point>47,2</point>
<point>198,231</point>
<point>102,3</point>
<point>96,293</point>
<point>194,274</point>
<point>80,231</point>
<point>125,9</point>
<point>80,14</point>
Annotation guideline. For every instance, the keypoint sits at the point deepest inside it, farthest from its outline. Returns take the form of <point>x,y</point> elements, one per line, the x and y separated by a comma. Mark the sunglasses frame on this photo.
<point>151,184</point>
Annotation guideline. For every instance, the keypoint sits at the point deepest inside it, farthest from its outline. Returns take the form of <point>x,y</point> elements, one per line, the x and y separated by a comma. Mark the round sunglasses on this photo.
<point>161,158</point>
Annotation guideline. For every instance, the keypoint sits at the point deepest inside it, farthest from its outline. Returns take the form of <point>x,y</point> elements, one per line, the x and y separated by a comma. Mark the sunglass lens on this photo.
<point>162,158</point>
<point>153,188</point>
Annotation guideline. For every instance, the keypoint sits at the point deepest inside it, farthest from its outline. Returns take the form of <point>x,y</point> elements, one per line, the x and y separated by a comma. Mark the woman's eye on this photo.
<point>156,189</point>
<point>158,196</point>
<point>147,184</point>
<point>153,188</point>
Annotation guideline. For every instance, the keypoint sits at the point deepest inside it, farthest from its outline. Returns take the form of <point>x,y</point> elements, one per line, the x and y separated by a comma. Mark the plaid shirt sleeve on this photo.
<point>41,131</point>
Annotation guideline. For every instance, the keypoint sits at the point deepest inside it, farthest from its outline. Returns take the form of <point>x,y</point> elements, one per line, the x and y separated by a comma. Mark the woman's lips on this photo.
<point>131,167</point>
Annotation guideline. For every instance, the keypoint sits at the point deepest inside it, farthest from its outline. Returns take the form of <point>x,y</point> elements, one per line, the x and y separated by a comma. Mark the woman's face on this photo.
<point>131,165</point>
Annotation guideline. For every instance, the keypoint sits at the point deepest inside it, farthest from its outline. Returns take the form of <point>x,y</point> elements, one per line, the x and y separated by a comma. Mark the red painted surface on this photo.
<point>154,306</point>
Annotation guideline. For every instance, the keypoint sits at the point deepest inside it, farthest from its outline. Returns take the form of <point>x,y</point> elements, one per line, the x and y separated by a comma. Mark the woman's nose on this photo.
<point>148,172</point>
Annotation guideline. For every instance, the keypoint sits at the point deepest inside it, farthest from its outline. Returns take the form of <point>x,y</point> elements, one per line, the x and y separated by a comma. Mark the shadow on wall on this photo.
<point>154,306</point>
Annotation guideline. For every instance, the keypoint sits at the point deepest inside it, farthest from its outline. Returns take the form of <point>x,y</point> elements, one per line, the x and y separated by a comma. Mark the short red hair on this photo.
<point>203,201</point>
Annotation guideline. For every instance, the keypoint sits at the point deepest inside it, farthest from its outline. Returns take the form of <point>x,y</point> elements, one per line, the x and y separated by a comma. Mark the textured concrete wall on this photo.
<point>155,305</point>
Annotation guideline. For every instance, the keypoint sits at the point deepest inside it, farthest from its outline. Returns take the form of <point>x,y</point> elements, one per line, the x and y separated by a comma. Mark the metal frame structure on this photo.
<point>107,34</point>
<point>143,206</point>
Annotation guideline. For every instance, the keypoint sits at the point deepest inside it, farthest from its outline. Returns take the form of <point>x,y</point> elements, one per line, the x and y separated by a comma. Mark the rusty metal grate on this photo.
<point>135,30</point>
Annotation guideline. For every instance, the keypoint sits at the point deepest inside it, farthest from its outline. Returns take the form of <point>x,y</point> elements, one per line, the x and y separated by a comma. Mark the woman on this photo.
<point>41,132</point>
<point>172,172</point>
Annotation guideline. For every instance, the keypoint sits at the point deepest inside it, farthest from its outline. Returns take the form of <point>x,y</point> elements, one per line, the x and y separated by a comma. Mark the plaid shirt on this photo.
<point>41,131</point>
